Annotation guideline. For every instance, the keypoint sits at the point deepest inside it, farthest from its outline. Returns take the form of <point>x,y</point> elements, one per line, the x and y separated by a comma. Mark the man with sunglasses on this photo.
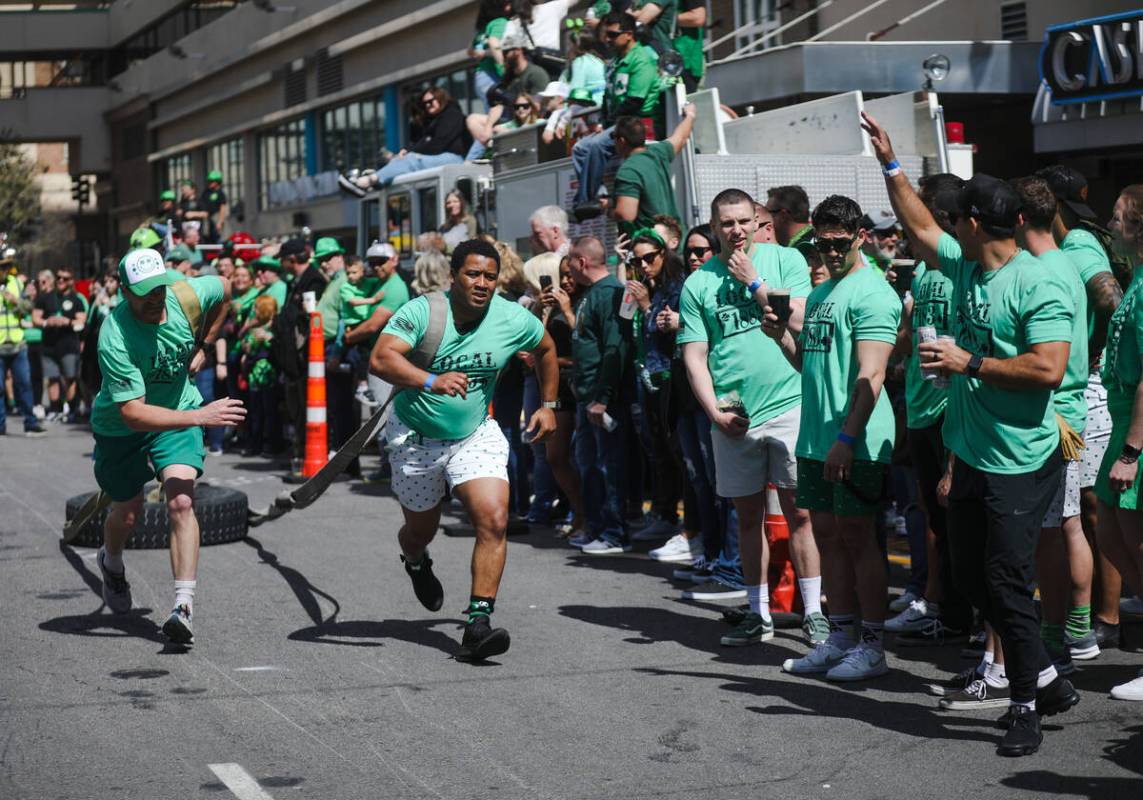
<point>1011,351</point>
<point>752,397</point>
<point>633,90</point>
<point>61,313</point>
<point>846,438</point>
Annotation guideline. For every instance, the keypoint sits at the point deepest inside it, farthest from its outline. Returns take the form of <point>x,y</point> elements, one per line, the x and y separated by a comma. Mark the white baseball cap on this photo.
<point>556,89</point>
<point>143,270</point>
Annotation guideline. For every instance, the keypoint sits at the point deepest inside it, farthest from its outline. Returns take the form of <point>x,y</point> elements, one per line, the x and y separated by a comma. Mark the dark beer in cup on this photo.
<point>779,302</point>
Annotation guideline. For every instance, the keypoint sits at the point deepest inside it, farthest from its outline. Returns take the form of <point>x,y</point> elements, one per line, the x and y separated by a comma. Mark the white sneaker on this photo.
<point>678,548</point>
<point>1132,690</point>
<point>822,658</point>
<point>914,618</point>
<point>860,663</point>
<point>1131,607</point>
<point>658,530</point>
<point>581,539</point>
<point>602,547</point>
<point>903,602</point>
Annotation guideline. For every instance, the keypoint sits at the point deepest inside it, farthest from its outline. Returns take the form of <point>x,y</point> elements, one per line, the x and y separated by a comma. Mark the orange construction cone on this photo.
<point>781,574</point>
<point>317,442</point>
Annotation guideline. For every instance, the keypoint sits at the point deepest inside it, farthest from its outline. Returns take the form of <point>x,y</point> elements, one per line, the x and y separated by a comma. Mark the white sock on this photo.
<point>759,599</point>
<point>1030,705</point>
<point>1046,676</point>
<point>986,662</point>
<point>184,594</point>
<point>811,591</point>
<point>113,563</point>
<point>994,675</point>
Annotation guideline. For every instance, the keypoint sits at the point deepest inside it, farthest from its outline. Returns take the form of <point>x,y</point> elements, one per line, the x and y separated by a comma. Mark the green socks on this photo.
<point>480,607</point>
<point>1079,621</point>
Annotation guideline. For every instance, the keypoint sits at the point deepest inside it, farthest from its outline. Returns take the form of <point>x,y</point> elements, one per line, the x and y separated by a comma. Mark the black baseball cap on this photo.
<point>293,248</point>
<point>1070,188</point>
<point>992,201</point>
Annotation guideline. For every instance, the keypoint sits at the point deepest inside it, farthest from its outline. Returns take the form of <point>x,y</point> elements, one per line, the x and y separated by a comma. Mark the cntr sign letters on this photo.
<point>1094,59</point>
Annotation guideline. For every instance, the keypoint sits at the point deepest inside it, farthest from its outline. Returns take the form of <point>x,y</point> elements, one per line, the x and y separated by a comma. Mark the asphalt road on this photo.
<point>317,674</point>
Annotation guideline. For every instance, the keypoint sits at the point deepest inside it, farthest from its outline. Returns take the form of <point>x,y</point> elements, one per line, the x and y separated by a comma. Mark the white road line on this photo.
<point>239,781</point>
<point>267,668</point>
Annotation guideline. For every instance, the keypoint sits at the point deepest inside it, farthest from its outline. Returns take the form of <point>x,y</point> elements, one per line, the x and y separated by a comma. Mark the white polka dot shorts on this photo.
<point>423,469</point>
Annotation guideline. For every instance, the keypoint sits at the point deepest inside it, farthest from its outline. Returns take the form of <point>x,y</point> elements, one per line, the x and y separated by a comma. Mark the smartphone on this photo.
<point>545,282</point>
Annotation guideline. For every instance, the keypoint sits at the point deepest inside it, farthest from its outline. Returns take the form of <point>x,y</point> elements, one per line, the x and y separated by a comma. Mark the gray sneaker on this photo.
<point>816,628</point>
<point>752,630</point>
<point>116,589</point>
<point>1083,648</point>
<point>178,626</point>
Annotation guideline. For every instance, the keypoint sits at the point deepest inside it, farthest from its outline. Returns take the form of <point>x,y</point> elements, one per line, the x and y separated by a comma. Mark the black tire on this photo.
<point>221,517</point>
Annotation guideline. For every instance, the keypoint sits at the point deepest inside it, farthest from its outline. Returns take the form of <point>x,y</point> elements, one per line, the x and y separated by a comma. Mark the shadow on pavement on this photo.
<point>373,633</point>
<point>1126,753</point>
<point>305,591</point>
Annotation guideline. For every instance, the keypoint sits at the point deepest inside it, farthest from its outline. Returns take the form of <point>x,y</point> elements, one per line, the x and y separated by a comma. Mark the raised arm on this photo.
<point>682,132</point>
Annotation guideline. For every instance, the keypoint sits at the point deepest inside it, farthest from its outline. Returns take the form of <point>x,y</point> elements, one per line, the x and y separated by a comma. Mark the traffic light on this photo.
<point>80,189</point>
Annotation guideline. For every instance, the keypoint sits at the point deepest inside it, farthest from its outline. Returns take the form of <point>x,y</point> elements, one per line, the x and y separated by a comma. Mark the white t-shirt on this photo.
<point>547,22</point>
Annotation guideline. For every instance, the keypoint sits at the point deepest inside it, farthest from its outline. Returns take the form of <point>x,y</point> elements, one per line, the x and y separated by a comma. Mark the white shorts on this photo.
<point>1097,433</point>
<point>743,467</point>
<point>423,469</point>
<point>1066,503</point>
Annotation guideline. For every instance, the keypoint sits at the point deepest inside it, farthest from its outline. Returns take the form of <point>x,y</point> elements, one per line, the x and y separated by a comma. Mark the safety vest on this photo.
<point>10,330</point>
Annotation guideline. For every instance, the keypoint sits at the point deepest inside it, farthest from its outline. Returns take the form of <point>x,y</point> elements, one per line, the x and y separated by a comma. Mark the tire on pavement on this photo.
<point>221,515</point>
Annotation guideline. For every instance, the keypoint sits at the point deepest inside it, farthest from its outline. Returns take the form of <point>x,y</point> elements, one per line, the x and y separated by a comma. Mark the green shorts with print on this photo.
<point>860,496</point>
<point>124,464</point>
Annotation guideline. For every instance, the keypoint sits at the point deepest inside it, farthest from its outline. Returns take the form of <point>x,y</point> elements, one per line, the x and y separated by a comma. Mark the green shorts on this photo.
<point>860,496</point>
<point>1119,406</point>
<point>124,464</point>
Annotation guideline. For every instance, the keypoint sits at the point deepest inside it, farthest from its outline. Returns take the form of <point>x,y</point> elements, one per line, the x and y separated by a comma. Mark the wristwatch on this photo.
<point>1130,454</point>
<point>974,365</point>
<point>552,404</point>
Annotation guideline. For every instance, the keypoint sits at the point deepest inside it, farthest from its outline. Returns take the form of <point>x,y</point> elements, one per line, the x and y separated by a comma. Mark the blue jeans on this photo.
<point>21,387</point>
<point>413,162</point>
<point>600,457</point>
<point>204,380</point>
<point>483,83</point>
<point>590,157</point>
<point>545,491</point>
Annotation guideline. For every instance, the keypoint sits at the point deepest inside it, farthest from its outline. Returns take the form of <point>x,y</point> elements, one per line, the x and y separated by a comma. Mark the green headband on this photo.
<point>649,233</point>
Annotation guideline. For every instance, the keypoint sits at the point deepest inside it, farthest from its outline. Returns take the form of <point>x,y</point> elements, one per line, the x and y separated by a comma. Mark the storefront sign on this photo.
<point>1094,59</point>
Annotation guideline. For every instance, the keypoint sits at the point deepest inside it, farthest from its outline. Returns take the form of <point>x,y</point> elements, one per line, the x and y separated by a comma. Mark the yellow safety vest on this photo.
<point>10,330</point>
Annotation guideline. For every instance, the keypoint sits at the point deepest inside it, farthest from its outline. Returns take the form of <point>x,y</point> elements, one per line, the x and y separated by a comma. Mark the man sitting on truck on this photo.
<point>633,89</point>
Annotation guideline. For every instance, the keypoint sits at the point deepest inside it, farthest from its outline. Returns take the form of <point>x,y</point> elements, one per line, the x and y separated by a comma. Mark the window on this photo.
<point>166,31</point>
<point>400,224</point>
<point>761,16</point>
<point>427,200</point>
<point>175,169</point>
<point>1014,21</point>
<point>281,157</point>
<point>228,158</point>
<point>352,135</point>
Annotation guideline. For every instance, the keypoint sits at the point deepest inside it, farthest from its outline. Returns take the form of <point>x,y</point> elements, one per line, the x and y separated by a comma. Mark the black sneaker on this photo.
<point>978,694</point>
<point>35,431</point>
<point>481,641</point>
<point>734,616</point>
<point>116,589</point>
<point>713,590</point>
<point>425,584</point>
<point>959,682</point>
<point>1056,698</point>
<point>589,210</point>
<point>934,633</point>
<point>1023,736</point>
<point>348,186</point>
<point>1106,634</point>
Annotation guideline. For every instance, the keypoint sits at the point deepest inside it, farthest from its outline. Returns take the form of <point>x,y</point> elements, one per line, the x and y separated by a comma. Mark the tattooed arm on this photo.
<point>1103,297</point>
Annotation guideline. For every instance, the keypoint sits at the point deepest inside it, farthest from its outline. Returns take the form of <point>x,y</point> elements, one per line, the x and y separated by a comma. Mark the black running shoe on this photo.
<point>1023,736</point>
<point>1106,634</point>
<point>482,641</point>
<point>933,634</point>
<point>425,584</point>
<point>1056,698</point>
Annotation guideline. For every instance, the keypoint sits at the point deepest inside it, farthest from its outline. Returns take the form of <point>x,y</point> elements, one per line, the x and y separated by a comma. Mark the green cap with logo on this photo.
<point>266,262</point>
<point>327,246</point>
<point>144,237</point>
<point>141,271</point>
<point>214,175</point>
<point>167,194</point>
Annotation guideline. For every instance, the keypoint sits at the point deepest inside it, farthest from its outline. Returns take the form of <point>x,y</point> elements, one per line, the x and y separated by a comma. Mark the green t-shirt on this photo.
<point>278,290</point>
<point>599,344</point>
<point>507,328</point>
<point>637,75</point>
<point>149,361</point>
<point>646,176</point>
<point>715,308</point>
<point>329,305</point>
<point>1121,358</point>
<point>396,293</point>
<point>355,315</point>
<point>689,43</point>
<point>861,307</point>
<point>1069,398</point>
<point>663,28</point>
<point>1000,314</point>
<point>1090,259</point>
<point>932,306</point>
<point>493,30</point>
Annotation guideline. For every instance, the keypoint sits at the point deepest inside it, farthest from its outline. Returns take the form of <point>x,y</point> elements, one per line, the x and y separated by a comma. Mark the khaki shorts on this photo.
<point>743,467</point>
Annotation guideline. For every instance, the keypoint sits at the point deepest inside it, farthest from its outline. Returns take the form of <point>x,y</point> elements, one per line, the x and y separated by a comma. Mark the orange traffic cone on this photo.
<point>781,574</point>
<point>317,443</point>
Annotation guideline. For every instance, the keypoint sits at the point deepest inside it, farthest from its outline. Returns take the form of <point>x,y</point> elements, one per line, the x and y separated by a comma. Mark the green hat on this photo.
<point>144,237</point>
<point>327,246</point>
<point>214,175</point>
<point>140,271</point>
<point>265,262</point>
<point>580,96</point>
<point>167,194</point>
<point>180,252</point>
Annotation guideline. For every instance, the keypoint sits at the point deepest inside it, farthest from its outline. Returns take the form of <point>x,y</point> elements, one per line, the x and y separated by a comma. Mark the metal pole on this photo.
<point>906,19</point>
<point>847,20</point>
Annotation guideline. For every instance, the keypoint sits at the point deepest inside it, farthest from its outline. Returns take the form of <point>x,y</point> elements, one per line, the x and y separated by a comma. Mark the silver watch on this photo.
<point>552,404</point>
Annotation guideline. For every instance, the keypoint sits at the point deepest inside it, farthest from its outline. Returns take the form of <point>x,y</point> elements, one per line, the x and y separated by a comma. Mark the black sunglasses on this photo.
<point>646,258</point>
<point>613,34</point>
<point>698,251</point>
<point>834,244</point>
<point>432,101</point>
<point>522,105</point>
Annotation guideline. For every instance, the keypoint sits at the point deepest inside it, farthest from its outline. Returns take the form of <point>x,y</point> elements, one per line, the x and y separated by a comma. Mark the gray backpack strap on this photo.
<point>425,353</point>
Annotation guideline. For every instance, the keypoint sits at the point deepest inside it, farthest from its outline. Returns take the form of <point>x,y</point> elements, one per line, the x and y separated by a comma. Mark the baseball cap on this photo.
<point>380,251</point>
<point>167,194</point>
<point>180,252</point>
<point>1070,188</point>
<point>991,200</point>
<point>514,42</point>
<point>144,237</point>
<point>214,175</point>
<point>293,248</point>
<point>556,89</point>
<point>886,225</point>
<point>140,271</point>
